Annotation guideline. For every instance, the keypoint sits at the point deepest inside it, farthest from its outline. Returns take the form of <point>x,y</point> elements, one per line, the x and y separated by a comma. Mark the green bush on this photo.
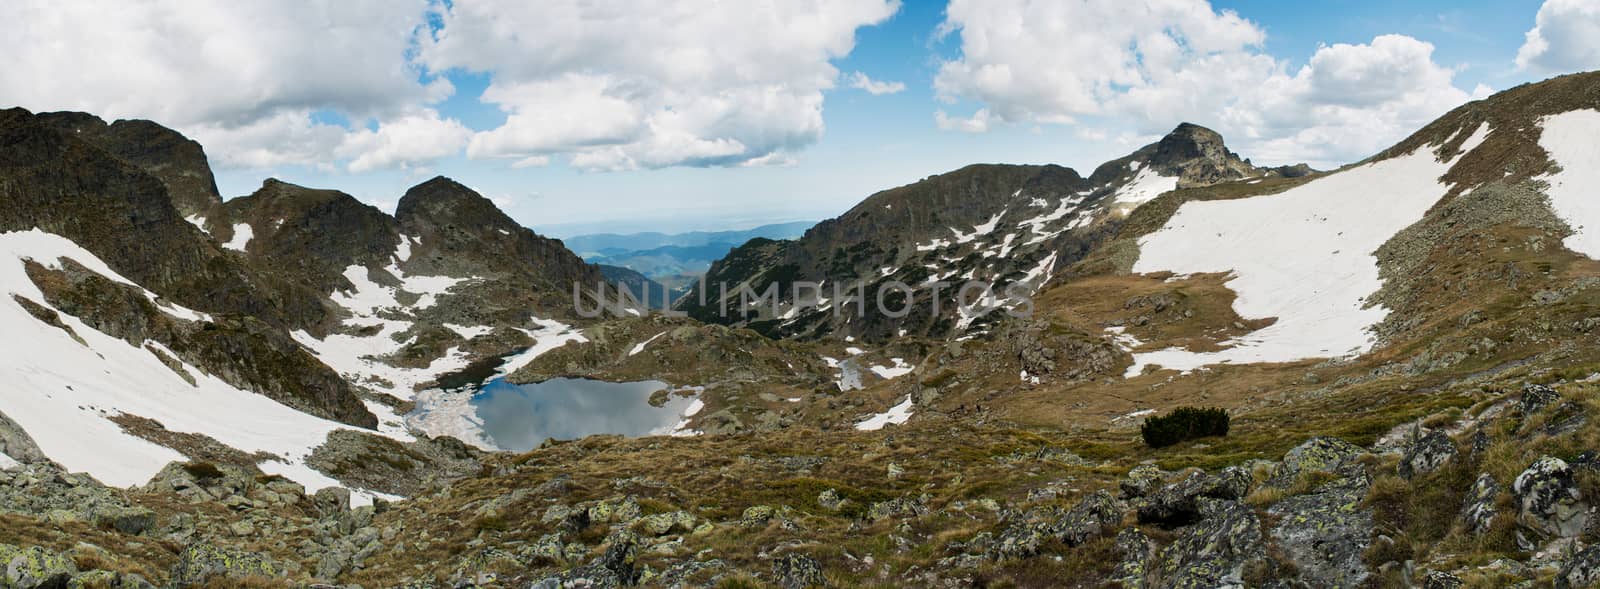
<point>1184,423</point>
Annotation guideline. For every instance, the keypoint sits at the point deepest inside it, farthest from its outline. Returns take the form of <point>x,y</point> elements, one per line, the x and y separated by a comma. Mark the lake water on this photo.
<point>520,417</point>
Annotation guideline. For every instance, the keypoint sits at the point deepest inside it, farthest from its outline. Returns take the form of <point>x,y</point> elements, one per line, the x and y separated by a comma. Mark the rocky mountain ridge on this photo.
<point>999,225</point>
<point>1406,347</point>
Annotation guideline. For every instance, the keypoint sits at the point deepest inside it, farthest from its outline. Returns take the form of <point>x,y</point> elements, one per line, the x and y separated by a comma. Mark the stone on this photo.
<point>1214,551</point>
<point>1441,580</point>
<point>1326,532</point>
<point>1322,454</point>
<point>1581,570</point>
<point>662,524</point>
<point>830,500</point>
<point>797,571</point>
<point>34,568</point>
<point>1479,509</point>
<point>1548,501</point>
<point>332,500</point>
<point>1535,397</point>
<point>1178,503</point>
<point>128,520</point>
<point>1089,518</point>
<point>200,564</point>
<point>1141,481</point>
<point>1427,454</point>
<point>1135,548</point>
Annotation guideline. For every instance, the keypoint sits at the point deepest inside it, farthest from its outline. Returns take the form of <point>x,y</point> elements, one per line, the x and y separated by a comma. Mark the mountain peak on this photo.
<point>1198,156</point>
<point>177,161</point>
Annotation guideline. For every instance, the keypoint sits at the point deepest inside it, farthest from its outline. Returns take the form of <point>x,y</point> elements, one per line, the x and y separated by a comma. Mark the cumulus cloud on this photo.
<point>861,81</point>
<point>1054,61</point>
<point>625,85</point>
<point>406,141</point>
<point>1149,64</point>
<point>1565,38</point>
<point>1347,102</point>
<point>246,75</point>
<point>977,123</point>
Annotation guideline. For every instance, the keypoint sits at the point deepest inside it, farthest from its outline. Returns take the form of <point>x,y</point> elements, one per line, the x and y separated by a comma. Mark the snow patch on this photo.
<point>1304,256</point>
<point>241,237</point>
<point>1144,187</point>
<point>62,392</point>
<point>897,415</point>
<point>199,222</point>
<point>641,345</point>
<point>897,369</point>
<point>469,332</point>
<point>1570,139</point>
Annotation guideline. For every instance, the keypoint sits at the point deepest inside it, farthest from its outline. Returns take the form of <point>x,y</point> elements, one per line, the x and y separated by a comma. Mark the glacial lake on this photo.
<point>520,417</point>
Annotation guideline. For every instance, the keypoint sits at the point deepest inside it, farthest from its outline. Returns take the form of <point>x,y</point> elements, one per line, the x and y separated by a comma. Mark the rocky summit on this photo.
<point>1228,375</point>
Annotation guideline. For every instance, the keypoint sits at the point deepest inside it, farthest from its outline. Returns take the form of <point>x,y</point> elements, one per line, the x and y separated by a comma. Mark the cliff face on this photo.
<point>179,162</point>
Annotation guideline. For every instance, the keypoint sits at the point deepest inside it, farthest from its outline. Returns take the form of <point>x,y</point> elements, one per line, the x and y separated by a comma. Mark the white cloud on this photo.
<point>1346,103</point>
<point>625,85</point>
<point>246,75</point>
<point>1565,38</point>
<point>977,123</point>
<point>1052,61</point>
<point>861,81</point>
<point>1150,64</point>
<point>406,141</point>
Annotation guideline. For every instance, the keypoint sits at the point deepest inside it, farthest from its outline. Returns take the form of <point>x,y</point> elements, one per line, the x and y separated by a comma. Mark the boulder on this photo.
<point>128,520</point>
<point>1548,500</point>
<point>1479,509</point>
<point>1142,480</point>
<point>1089,518</point>
<point>202,564</point>
<point>1427,454</point>
<point>1322,454</point>
<point>1178,503</point>
<point>1441,580</point>
<point>1213,552</point>
<point>1582,570</point>
<point>34,568</point>
<point>1325,532</point>
<point>1535,397</point>
<point>1135,548</point>
<point>797,571</point>
<point>332,500</point>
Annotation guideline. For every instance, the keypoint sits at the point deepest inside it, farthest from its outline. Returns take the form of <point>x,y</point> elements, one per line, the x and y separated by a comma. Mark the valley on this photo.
<point>294,388</point>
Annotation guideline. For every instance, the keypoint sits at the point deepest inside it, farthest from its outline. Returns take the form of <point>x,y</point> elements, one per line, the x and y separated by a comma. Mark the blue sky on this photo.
<point>706,115</point>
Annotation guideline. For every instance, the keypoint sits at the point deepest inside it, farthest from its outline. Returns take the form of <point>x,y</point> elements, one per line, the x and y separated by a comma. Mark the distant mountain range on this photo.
<point>611,243</point>
<point>671,261</point>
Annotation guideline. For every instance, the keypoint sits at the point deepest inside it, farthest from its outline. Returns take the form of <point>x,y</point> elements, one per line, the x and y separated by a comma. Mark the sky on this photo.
<point>581,116</point>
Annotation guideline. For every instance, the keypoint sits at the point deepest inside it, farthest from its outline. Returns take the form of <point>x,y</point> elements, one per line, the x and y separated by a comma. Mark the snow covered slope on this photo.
<point>1573,141</point>
<point>62,390</point>
<point>1304,256</point>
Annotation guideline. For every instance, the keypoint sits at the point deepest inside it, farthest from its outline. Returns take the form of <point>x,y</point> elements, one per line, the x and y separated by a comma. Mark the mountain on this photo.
<point>613,243</point>
<point>1401,352</point>
<point>156,322</point>
<point>1009,227</point>
<point>653,294</point>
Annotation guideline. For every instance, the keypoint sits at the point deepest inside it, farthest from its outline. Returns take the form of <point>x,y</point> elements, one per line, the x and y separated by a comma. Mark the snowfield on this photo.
<point>897,415</point>
<point>61,392</point>
<point>1573,141</point>
<point>1304,256</point>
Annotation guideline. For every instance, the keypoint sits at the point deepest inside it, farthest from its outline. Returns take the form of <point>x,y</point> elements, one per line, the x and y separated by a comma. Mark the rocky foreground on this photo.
<point>1502,493</point>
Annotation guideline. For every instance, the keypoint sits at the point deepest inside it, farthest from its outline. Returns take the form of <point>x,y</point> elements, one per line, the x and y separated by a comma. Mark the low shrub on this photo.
<point>1183,424</point>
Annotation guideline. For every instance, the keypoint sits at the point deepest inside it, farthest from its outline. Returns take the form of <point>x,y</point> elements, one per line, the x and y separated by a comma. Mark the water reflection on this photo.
<point>520,417</point>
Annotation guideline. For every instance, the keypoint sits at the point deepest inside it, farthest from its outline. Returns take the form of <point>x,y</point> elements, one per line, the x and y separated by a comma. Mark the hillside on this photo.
<point>1405,348</point>
<point>1008,227</point>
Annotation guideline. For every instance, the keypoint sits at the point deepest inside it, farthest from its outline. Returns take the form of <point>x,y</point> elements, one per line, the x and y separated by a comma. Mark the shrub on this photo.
<point>1184,423</point>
